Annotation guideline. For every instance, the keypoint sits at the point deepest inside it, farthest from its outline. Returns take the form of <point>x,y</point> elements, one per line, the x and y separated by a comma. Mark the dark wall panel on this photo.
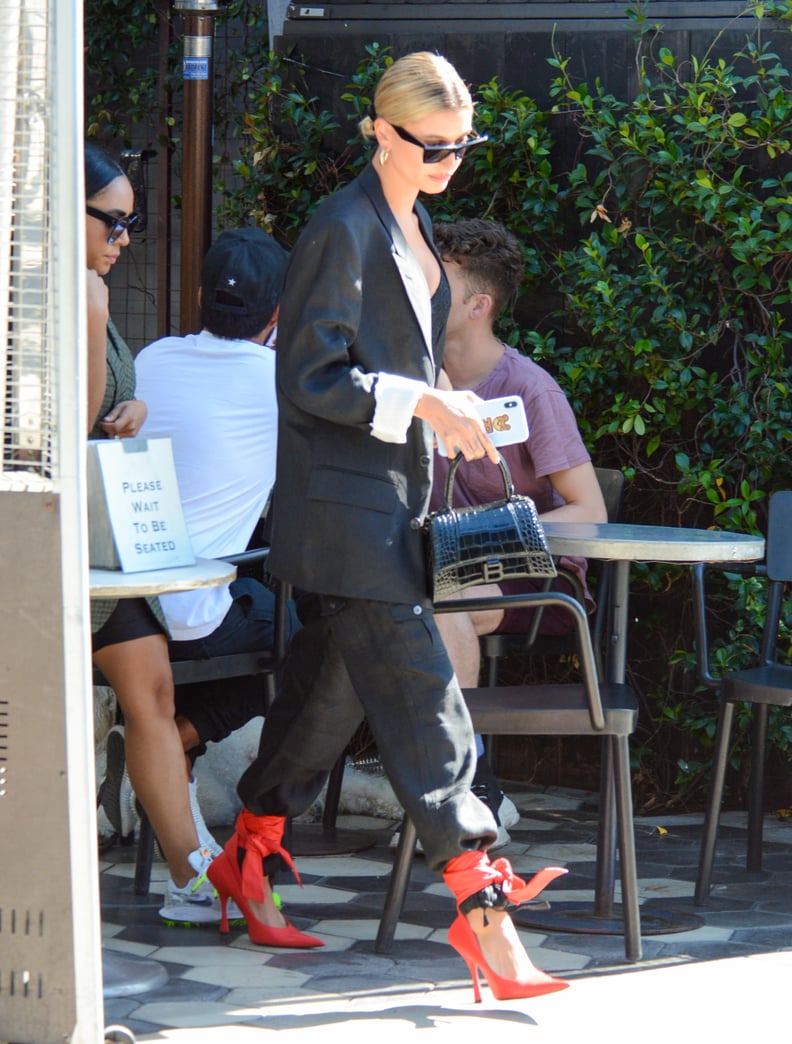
<point>508,39</point>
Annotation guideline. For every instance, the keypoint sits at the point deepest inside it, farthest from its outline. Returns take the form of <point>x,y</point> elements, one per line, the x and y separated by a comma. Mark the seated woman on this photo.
<point>129,640</point>
<point>485,265</point>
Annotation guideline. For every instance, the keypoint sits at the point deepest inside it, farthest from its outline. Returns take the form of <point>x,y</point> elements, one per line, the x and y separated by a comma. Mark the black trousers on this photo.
<point>356,658</point>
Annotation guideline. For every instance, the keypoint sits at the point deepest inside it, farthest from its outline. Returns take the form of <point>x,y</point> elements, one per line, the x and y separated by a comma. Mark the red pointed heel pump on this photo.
<point>462,937</point>
<point>477,883</point>
<point>225,875</point>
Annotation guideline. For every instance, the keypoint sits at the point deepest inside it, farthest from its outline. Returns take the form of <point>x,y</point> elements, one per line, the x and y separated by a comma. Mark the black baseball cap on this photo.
<point>243,273</point>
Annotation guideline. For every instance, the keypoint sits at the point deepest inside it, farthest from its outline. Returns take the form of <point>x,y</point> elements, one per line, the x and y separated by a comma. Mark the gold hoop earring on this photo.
<point>383,157</point>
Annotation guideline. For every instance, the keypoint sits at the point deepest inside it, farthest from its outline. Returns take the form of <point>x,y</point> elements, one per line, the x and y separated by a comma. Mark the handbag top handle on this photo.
<point>451,477</point>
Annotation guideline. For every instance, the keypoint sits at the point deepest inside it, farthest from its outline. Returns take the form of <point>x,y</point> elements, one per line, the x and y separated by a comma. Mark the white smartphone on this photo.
<point>504,421</point>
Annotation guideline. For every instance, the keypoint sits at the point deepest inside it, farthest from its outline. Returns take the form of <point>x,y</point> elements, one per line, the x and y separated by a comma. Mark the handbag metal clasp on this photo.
<point>493,571</point>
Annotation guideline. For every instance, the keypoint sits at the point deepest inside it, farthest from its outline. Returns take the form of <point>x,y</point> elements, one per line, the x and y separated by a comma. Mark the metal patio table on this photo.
<point>622,544</point>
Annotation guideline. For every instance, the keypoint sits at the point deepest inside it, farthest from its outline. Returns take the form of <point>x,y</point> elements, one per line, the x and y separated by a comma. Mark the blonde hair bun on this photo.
<point>415,85</point>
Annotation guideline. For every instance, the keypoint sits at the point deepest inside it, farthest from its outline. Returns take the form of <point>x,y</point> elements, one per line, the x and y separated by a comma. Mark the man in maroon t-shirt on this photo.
<point>485,265</point>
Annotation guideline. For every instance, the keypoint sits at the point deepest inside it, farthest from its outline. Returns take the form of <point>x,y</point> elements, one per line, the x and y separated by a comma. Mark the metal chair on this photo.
<point>768,684</point>
<point>495,646</point>
<point>585,708</point>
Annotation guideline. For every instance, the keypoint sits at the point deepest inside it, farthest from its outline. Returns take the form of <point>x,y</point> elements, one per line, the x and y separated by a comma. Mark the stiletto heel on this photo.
<point>474,976</point>
<point>224,928</point>
<point>225,875</point>
<point>463,939</point>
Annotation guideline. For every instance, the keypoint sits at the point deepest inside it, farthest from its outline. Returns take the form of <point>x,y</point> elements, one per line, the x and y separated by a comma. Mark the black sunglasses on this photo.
<point>436,153</point>
<point>117,225</point>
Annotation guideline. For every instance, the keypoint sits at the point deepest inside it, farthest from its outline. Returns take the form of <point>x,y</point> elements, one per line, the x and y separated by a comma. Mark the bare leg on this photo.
<point>139,672</point>
<point>460,633</point>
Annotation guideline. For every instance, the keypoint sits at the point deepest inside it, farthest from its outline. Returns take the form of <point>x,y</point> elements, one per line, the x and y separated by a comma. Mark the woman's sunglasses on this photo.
<point>117,225</point>
<point>436,153</point>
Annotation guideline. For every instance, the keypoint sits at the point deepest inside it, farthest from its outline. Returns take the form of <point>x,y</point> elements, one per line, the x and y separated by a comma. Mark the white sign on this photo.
<point>135,518</point>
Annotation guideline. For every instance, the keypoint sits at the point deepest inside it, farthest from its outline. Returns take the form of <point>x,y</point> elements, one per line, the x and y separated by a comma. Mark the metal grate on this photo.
<point>27,358</point>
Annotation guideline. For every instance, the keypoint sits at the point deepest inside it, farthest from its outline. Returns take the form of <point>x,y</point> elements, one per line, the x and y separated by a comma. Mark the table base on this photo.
<point>308,839</point>
<point>124,975</point>
<point>658,917</point>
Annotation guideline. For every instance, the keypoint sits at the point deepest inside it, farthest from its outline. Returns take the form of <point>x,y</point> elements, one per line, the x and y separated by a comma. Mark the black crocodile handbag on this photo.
<point>485,544</point>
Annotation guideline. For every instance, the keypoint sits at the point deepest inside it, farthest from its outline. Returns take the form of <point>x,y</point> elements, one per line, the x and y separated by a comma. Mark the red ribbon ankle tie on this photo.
<point>469,872</point>
<point>261,835</point>
<point>518,891</point>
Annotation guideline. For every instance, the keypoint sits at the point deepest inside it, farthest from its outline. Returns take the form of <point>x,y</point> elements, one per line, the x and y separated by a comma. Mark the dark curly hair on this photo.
<point>491,257</point>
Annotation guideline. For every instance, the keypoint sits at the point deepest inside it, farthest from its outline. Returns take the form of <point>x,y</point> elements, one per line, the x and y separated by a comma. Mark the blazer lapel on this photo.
<point>408,268</point>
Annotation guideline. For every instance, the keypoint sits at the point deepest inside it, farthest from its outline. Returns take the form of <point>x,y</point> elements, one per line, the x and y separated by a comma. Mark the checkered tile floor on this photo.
<point>208,981</point>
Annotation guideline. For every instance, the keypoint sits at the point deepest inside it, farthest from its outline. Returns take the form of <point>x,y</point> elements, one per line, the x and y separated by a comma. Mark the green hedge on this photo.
<point>658,292</point>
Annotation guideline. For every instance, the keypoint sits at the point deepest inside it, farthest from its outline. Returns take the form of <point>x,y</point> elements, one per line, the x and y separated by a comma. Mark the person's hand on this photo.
<point>453,417</point>
<point>125,419</point>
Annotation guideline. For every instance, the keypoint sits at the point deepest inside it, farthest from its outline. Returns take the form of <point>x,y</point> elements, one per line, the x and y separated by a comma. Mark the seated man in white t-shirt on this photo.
<point>213,395</point>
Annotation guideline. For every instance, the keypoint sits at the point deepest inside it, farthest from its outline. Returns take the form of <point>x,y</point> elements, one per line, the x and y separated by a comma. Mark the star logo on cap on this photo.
<point>232,281</point>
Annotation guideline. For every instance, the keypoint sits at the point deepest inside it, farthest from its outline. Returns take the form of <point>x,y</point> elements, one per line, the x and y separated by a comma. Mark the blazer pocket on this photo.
<point>353,488</point>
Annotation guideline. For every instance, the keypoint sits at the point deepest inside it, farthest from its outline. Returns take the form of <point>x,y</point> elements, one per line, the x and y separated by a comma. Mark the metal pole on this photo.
<point>196,229</point>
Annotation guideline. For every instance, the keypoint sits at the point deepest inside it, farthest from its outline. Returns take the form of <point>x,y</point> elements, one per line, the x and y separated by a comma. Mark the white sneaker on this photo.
<point>503,839</point>
<point>508,813</point>
<point>197,902</point>
<point>507,816</point>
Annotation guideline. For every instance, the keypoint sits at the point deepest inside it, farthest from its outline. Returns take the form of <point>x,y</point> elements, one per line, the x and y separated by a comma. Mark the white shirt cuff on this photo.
<point>396,399</point>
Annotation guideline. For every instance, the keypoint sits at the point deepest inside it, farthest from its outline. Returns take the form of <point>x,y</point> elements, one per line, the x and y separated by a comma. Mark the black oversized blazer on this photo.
<point>355,304</point>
